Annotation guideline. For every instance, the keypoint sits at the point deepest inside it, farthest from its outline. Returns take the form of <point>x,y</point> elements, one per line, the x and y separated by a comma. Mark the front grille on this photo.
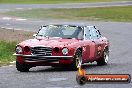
<point>42,51</point>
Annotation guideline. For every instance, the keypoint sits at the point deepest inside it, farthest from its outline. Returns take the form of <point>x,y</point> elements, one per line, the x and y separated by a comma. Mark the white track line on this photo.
<point>9,28</point>
<point>16,19</point>
<point>6,18</point>
<point>19,8</point>
<point>19,19</point>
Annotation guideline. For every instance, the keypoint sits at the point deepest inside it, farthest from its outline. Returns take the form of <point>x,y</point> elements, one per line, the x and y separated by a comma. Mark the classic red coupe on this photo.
<point>62,45</point>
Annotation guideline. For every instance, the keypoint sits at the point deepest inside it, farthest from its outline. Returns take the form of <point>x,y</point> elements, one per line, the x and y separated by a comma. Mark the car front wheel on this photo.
<point>77,60</point>
<point>22,67</point>
<point>104,59</point>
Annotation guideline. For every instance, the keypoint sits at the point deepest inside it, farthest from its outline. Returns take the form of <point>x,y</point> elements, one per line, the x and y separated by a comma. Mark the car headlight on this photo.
<point>65,51</point>
<point>19,49</point>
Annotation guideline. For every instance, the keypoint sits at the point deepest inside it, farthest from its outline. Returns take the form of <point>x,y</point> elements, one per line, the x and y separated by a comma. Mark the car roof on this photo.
<point>79,25</point>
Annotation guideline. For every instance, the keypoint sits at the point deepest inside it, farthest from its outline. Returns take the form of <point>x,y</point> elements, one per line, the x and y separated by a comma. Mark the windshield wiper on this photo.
<point>69,38</point>
<point>46,36</point>
<point>40,35</point>
<point>56,37</point>
<point>43,36</point>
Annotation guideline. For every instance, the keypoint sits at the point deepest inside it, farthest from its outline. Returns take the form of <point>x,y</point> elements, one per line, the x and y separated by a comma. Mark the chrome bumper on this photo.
<point>36,56</point>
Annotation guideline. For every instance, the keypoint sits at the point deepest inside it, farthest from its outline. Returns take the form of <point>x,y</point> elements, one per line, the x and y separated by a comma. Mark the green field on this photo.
<point>121,14</point>
<point>6,51</point>
<point>53,1</point>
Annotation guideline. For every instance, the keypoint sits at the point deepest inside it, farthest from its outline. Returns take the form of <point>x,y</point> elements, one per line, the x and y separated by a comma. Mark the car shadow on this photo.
<point>88,66</point>
<point>52,69</point>
<point>60,69</point>
<point>94,68</point>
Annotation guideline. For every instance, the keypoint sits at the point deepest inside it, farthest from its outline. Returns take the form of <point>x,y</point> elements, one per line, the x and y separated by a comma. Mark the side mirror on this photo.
<point>34,35</point>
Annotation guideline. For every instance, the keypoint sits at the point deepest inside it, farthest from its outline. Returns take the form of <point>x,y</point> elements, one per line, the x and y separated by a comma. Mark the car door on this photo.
<point>89,45</point>
<point>101,40</point>
<point>96,38</point>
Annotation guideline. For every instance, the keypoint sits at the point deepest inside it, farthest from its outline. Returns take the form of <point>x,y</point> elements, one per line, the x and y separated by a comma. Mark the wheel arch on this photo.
<point>106,48</point>
<point>80,49</point>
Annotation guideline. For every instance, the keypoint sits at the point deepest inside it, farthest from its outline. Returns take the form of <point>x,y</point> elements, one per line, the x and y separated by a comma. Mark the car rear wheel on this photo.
<point>77,60</point>
<point>22,67</point>
<point>104,59</point>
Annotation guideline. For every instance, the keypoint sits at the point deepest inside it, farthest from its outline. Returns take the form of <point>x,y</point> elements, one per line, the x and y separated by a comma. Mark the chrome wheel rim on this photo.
<point>106,57</point>
<point>78,61</point>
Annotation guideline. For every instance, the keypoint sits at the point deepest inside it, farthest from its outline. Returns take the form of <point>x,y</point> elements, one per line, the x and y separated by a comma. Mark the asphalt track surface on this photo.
<point>16,23</point>
<point>120,61</point>
<point>7,7</point>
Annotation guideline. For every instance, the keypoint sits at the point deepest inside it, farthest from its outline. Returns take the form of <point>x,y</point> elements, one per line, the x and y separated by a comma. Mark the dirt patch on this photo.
<point>15,35</point>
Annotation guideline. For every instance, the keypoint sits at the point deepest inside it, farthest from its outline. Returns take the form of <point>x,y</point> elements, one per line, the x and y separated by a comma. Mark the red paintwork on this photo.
<point>89,49</point>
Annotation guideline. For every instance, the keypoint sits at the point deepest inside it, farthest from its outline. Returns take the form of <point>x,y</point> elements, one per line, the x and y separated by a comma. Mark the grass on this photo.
<point>8,43</point>
<point>122,14</point>
<point>52,1</point>
<point>6,51</point>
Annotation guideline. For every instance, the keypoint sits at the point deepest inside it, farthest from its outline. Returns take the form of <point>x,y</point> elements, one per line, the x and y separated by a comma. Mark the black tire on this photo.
<point>22,67</point>
<point>77,59</point>
<point>104,59</point>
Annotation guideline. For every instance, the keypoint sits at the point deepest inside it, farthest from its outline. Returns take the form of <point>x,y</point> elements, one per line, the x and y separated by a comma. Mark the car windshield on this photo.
<point>61,31</point>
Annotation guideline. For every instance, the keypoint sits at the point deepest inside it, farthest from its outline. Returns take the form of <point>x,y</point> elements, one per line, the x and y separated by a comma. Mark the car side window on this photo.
<point>87,33</point>
<point>80,35</point>
<point>98,33</point>
<point>93,33</point>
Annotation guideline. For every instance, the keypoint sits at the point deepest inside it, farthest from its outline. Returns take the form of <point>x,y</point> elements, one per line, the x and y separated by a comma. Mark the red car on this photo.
<point>62,45</point>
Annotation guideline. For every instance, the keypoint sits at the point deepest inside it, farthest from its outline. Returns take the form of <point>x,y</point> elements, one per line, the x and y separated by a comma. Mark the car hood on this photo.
<point>48,42</point>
